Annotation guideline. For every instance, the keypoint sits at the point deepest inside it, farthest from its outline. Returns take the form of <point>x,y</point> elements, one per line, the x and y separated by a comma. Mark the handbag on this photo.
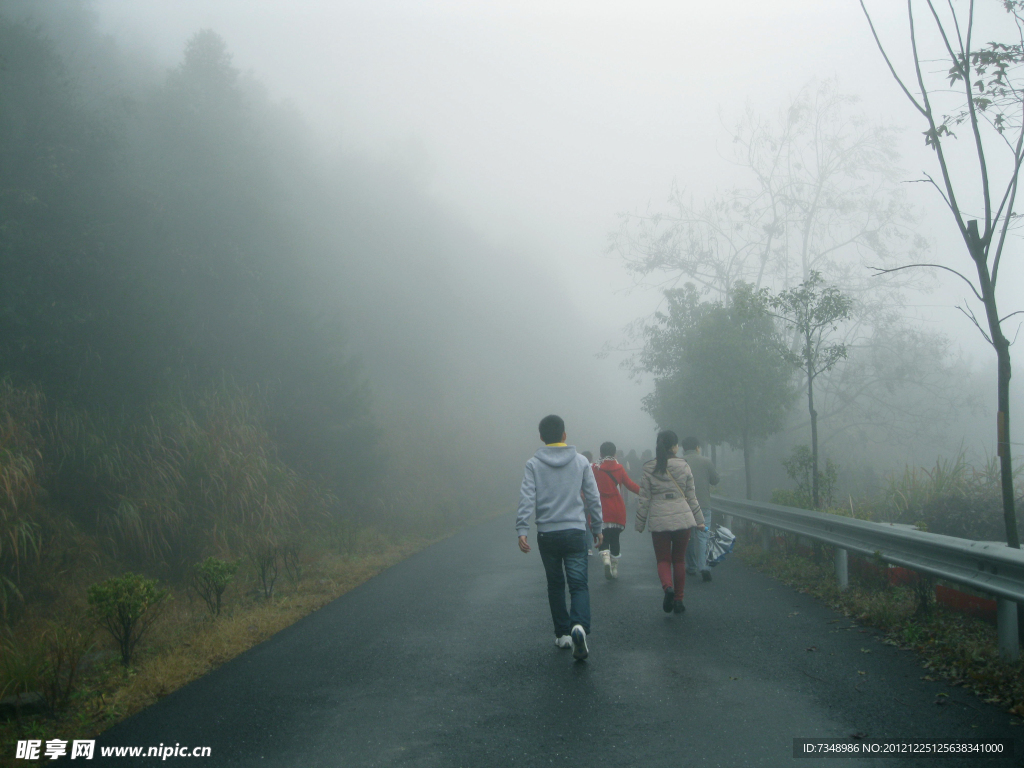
<point>669,473</point>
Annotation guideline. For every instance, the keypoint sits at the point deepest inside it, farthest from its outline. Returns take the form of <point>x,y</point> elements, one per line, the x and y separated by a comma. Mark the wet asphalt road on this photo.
<point>448,659</point>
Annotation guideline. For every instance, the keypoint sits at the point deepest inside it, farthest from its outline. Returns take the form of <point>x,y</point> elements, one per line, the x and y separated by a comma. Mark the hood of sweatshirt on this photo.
<point>556,456</point>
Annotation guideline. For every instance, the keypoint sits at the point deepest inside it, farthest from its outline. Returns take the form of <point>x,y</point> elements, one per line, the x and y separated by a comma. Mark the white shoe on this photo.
<point>606,558</point>
<point>579,643</point>
<point>614,567</point>
<point>564,641</point>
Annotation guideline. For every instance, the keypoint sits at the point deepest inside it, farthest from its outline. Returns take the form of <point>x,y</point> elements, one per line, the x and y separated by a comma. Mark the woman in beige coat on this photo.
<point>668,506</point>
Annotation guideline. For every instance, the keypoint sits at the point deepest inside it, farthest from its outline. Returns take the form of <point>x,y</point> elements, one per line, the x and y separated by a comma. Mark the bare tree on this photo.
<point>990,104</point>
<point>817,190</point>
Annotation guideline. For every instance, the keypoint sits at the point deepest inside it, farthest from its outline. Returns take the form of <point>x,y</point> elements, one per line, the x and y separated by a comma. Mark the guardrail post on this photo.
<point>842,569</point>
<point>1006,629</point>
<point>766,538</point>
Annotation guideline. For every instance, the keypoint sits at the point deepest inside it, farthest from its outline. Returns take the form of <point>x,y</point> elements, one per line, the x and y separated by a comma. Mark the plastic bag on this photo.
<point>720,543</point>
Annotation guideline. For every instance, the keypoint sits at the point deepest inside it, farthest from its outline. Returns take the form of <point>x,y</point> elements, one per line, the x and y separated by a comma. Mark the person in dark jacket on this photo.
<point>668,505</point>
<point>610,475</point>
<point>559,492</point>
<point>704,476</point>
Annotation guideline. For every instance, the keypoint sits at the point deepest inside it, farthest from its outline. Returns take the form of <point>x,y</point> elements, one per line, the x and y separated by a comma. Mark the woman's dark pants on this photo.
<point>611,540</point>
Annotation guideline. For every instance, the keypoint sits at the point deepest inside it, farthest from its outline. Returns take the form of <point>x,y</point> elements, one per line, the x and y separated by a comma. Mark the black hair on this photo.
<point>690,443</point>
<point>551,429</point>
<point>588,456</point>
<point>666,439</point>
<point>607,449</point>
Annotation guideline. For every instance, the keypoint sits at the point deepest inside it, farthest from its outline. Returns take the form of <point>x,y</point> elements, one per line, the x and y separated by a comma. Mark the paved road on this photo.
<point>448,659</point>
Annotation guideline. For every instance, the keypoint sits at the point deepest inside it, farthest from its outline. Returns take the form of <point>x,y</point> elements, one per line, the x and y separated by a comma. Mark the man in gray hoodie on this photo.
<point>559,490</point>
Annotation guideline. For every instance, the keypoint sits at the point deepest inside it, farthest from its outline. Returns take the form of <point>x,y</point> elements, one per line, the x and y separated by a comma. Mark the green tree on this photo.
<point>718,370</point>
<point>210,578</point>
<point>814,311</point>
<point>126,606</point>
<point>985,95</point>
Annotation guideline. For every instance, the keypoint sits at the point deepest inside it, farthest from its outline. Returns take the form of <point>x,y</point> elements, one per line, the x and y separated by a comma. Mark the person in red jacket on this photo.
<point>610,475</point>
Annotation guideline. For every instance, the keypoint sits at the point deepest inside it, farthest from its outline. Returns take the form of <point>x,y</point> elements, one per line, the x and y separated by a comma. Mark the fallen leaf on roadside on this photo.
<point>794,613</point>
<point>865,650</point>
<point>813,648</point>
<point>861,673</point>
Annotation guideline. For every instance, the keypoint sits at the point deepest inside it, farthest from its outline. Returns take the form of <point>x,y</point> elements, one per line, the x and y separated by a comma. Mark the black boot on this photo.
<point>666,604</point>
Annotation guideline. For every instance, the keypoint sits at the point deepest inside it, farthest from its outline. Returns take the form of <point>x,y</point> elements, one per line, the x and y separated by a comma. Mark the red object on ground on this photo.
<point>979,607</point>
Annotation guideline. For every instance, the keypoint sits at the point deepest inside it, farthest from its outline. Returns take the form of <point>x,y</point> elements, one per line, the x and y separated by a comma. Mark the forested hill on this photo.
<point>204,310</point>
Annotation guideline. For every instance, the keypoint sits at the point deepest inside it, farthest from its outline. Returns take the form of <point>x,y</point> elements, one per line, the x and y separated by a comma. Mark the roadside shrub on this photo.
<point>65,643</point>
<point>263,553</point>
<point>799,467</point>
<point>291,558</point>
<point>22,665</point>
<point>209,579</point>
<point>126,606</point>
<point>788,498</point>
<point>345,535</point>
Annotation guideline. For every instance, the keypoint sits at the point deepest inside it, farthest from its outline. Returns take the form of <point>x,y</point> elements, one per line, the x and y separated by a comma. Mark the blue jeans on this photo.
<point>697,551</point>
<point>566,550</point>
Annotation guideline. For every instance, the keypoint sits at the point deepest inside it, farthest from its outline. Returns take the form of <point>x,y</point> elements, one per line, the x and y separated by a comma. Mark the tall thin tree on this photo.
<point>990,103</point>
<point>814,310</point>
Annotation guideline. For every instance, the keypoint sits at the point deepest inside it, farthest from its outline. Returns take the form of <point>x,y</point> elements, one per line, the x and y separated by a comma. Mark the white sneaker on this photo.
<point>564,641</point>
<point>614,567</point>
<point>579,643</point>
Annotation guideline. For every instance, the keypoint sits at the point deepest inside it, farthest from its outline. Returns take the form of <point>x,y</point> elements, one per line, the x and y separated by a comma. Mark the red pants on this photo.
<point>670,549</point>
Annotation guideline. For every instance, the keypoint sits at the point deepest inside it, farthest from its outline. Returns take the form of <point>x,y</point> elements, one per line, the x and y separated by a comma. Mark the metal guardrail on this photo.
<point>990,567</point>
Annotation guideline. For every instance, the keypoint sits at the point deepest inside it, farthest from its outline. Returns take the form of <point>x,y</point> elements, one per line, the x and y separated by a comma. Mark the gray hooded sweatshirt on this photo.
<point>553,482</point>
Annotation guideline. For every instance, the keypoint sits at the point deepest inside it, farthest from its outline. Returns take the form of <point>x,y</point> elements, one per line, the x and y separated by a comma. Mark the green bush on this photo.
<point>210,578</point>
<point>799,466</point>
<point>126,606</point>
<point>787,498</point>
<point>264,554</point>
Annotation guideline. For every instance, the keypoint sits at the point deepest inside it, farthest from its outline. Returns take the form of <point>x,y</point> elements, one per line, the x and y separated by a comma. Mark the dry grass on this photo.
<point>187,643</point>
<point>953,647</point>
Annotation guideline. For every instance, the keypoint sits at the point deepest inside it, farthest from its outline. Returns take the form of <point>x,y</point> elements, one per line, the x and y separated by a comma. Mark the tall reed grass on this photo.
<point>196,475</point>
<point>953,497</point>
<point>21,416</point>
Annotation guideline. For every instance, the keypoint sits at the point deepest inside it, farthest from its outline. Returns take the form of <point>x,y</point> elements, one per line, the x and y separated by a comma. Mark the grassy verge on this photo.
<point>952,647</point>
<point>187,643</point>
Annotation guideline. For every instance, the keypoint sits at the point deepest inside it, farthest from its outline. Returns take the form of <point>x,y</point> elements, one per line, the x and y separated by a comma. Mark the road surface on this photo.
<point>448,659</point>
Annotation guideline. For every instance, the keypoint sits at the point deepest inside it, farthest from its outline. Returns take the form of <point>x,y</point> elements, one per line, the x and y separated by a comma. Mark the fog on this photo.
<point>472,160</point>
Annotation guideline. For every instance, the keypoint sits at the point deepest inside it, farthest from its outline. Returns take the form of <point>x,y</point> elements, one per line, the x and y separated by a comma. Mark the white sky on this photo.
<point>538,122</point>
